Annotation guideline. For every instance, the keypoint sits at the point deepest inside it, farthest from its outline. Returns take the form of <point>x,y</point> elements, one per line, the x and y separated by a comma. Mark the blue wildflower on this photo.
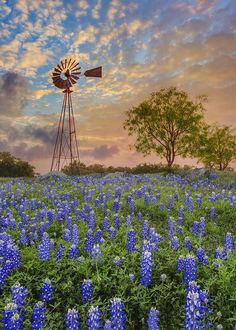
<point>46,291</point>
<point>146,268</point>
<point>96,252</point>
<point>44,248</point>
<point>38,317</point>
<point>196,308</point>
<point>117,314</point>
<point>153,319</point>
<point>72,320</point>
<point>200,253</point>
<point>175,243</point>
<point>187,244</point>
<point>229,242</point>
<point>11,318</point>
<point>86,291</point>
<point>94,318</point>
<point>131,241</point>
<point>190,272</point>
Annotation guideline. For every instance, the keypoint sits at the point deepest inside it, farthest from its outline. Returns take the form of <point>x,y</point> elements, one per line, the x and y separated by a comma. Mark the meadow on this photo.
<point>118,252</point>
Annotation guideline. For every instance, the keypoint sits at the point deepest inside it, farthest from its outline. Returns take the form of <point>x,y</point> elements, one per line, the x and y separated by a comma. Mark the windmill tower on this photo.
<point>64,76</point>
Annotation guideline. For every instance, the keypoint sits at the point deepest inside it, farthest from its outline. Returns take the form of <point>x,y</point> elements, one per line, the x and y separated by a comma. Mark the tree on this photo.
<point>219,147</point>
<point>11,166</point>
<point>167,123</point>
<point>76,168</point>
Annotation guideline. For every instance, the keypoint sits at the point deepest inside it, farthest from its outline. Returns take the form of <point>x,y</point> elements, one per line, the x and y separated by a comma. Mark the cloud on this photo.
<point>101,152</point>
<point>96,9</point>
<point>39,93</point>
<point>14,94</point>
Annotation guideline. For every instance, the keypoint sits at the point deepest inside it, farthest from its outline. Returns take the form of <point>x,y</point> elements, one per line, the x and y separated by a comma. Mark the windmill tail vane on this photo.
<point>64,76</point>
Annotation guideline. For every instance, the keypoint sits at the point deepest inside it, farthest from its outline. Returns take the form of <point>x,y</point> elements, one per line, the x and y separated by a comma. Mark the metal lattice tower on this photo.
<point>64,76</point>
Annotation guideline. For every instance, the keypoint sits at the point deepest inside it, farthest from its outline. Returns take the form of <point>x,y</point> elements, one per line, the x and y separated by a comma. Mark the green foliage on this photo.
<point>218,149</point>
<point>167,123</point>
<point>11,166</point>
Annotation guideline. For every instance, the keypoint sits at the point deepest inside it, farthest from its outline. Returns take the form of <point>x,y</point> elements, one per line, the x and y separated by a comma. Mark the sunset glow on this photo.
<point>142,46</point>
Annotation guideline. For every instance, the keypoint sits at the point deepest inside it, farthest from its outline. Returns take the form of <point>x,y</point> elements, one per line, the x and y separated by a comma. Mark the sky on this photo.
<point>142,46</point>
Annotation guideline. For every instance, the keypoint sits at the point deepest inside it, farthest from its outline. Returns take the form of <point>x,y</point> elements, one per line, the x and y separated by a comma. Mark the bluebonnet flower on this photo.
<point>89,242</point>
<point>145,230</point>
<point>171,228</point>
<point>116,221</point>
<point>153,319</point>
<point>118,192</point>
<point>139,216</point>
<point>96,252</point>
<point>94,318</point>
<point>128,221</point>
<point>131,241</point>
<point>23,238</point>
<point>146,268</point>
<point>92,220</point>
<point>59,254</point>
<point>112,233</point>
<point>153,200</point>
<point>132,205</point>
<point>181,264</point>
<point>98,236</point>
<point>19,294</point>
<point>107,325</point>
<point>73,251</point>
<point>187,244</point>
<point>38,317</point>
<point>46,291</point>
<point>11,318</point>
<point>161,206</point>
<point>196,308</point>
<point>175,243</point>
<point>198,227</point>
<point>72,320</point>
<point>220,253</point>
<point>170,203</point>
<point>200,253</point>
<point>199,199</point>
<point>86,291</point>
<point>179,230</point>
<point>132,277</point>
<point>118,261</point>
<point>117,314</point>
<point>180,221</point>
<point>229,242</point>
<point>212,213</point>
<point>105,224</point>
<point>155,239</point>
<point>44,248</point>
<point>190,205</point>
<point>181,211</point>
<point>75,235</point>
<point>190,272</point>
<point>147,198</point>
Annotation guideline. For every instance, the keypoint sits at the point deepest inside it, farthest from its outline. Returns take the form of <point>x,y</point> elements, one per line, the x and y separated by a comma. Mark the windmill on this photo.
<point>64,76</point>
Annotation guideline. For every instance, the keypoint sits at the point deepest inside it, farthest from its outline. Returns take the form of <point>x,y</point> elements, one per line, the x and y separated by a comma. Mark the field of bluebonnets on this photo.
<point>125,252</point>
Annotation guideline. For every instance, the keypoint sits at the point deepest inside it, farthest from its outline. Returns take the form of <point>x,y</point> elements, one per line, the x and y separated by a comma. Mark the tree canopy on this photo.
<point>11,166</point>
<point>167,123</point>
<point>219,147</point>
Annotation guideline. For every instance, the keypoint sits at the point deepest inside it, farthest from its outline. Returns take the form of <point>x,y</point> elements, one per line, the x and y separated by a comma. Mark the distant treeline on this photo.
<point>81,169</point>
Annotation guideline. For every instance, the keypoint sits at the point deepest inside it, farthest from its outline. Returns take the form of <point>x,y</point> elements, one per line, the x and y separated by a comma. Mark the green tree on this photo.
<point>11,166</point>
<point>167,123</point>
<point>76,168</point>
<point>219,147</point>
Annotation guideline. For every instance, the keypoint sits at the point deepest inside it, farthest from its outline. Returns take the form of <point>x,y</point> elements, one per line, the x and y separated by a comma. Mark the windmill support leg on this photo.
<point>66,146</point>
